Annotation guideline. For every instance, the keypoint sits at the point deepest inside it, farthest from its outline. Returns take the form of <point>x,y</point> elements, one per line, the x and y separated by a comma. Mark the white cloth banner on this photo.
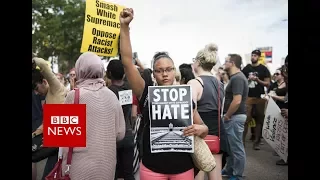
<point>275,130</point>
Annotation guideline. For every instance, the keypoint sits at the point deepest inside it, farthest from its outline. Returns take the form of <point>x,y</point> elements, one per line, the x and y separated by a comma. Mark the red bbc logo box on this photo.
<point>64,125</point>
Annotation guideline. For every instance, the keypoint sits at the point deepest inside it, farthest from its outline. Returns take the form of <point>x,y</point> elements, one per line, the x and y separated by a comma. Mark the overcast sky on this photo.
<point>183,27</point>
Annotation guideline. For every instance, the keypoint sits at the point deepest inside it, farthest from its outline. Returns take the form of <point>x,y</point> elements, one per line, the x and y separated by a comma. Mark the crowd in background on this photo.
<point>225,102</point>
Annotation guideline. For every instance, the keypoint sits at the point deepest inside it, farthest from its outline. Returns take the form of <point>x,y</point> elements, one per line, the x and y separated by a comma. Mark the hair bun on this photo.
<point>211,47</point>
<point>162,53</point>
<point>210,53</point>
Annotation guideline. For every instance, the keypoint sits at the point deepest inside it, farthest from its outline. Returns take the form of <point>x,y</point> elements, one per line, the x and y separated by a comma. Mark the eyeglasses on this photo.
<point>72,74</point>
<point>228,61</point>
<point>167,70</point>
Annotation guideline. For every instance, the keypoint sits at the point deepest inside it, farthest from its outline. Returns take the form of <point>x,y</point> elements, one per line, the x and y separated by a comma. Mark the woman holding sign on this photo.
<point>208,92</point>
<point>164,165</point>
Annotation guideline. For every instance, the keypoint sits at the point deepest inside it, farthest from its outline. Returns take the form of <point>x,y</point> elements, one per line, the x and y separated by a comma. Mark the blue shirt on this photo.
<point>36,111</point>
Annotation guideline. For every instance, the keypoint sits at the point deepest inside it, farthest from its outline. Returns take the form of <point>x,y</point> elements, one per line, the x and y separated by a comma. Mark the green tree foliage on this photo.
<point>57,27</point>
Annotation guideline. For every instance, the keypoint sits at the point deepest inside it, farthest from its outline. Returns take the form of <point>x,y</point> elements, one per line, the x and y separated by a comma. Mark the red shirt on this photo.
<point>136,102</point>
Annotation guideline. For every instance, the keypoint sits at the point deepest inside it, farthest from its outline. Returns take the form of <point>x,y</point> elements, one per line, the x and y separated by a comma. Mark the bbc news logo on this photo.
<point>64,125</point>
<point>61,131</point>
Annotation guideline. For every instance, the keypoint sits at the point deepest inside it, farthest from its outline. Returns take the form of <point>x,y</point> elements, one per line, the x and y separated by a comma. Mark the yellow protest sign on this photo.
<point>101,28</point>
<point>262,59</point>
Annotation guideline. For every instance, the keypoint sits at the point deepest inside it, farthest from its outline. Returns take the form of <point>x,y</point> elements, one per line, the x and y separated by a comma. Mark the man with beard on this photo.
<point>258,77</point>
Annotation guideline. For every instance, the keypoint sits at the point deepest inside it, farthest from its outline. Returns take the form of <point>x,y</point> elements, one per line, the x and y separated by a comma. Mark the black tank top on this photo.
<point>281,92</point>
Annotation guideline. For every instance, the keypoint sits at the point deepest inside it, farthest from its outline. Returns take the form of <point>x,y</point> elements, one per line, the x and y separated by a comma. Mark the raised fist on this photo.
<point>126,16</point>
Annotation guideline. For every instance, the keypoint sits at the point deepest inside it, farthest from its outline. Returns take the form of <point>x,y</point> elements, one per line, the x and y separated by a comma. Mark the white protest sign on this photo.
<point>275,130</point>
<point>125,97</point>
<point>170,111</point>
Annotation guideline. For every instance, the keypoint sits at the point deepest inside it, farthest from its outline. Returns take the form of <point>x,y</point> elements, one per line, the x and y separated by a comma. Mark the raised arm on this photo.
<point>47,73</point>
<point>135,80</point>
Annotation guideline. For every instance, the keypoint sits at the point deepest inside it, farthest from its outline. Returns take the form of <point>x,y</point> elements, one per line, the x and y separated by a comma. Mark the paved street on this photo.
<point>261,165</point>
<point>40,168</point>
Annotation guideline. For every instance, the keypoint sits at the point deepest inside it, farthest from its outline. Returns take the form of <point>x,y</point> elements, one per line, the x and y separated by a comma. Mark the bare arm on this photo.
<point>196,86</point>
<point>197,120</point>
<point>265,82</point>
<point>278,98</point>
<point>134,112</point>
<point>135,80</point>
<point>47,73</point>
<point>38,131</point>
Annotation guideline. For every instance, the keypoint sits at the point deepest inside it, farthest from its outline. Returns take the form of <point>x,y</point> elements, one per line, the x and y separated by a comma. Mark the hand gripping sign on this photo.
<point>64,125</point>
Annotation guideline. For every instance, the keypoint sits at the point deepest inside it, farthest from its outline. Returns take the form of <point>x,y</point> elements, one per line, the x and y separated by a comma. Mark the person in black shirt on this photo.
<point>279,91</point>
<point>125,147</point>
<point>186,75</point>
<point>167,165</point>
<point>258,78</point>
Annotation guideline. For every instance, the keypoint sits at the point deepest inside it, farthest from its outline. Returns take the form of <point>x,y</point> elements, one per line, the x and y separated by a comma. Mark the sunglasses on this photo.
<point>276,74</point>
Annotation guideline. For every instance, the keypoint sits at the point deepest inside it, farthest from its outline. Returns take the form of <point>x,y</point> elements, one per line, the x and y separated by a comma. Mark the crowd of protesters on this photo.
<point>118,136</point>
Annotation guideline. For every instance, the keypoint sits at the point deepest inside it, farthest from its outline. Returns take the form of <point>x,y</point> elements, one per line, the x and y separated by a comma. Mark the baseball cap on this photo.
<point>257,52</point>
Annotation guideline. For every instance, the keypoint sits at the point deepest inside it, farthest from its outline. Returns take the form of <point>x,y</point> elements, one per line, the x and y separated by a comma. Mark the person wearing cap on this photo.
<point>258,79</point>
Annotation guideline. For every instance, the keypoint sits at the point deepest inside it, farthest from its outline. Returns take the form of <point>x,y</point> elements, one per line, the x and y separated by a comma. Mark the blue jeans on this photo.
<point>237,156</point>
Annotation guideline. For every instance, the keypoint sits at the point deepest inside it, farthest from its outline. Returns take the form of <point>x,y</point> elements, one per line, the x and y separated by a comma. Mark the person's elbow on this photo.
<point>267,84</point>
<point>205,131</point>
<point>121,130</point>
<point>121,133</point>
<point>237,99</point>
